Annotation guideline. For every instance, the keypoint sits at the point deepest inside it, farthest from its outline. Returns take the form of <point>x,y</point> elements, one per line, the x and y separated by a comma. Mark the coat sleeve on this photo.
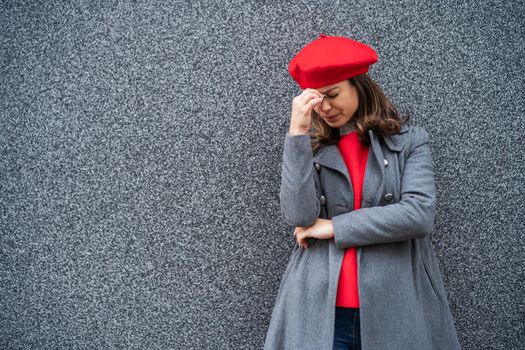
<point>412,217</point>
<point>298,195</point>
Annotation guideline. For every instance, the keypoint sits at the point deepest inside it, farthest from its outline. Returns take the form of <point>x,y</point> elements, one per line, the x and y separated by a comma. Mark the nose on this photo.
<point>324,106</point>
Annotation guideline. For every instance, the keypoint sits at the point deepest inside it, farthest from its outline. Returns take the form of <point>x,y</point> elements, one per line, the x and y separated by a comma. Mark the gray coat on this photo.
<point>403,302</point>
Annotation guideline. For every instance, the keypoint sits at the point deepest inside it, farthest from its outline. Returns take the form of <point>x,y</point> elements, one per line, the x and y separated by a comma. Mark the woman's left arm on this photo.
<point>412,217</point>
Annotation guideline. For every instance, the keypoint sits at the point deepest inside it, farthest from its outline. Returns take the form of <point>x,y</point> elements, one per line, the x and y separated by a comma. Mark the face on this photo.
<point>341,102</point>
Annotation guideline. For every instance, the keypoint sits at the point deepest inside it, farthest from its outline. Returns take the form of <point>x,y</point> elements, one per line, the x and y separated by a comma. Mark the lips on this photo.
<point>331,117</point>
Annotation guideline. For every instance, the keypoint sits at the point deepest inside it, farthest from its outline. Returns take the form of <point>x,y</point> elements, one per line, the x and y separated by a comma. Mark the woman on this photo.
<point>358,185</point>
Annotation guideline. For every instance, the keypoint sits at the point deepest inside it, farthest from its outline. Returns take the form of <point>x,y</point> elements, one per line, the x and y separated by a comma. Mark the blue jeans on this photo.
<point>347,331</point>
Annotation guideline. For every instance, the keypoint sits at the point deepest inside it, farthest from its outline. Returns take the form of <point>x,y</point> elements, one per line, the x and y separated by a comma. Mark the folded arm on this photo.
<point>412,217</point>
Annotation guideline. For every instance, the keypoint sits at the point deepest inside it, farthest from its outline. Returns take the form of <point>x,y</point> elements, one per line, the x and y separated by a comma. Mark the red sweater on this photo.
<point>355,155</point>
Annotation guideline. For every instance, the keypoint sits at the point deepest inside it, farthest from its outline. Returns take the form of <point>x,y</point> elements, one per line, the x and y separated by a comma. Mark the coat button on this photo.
<point>386,162</point>
<point>389,197</point>
<point>322,199</point>
<point>318,166</point>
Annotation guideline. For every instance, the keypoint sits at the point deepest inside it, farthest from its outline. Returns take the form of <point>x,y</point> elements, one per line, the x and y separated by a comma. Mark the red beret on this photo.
<point>330,59</point>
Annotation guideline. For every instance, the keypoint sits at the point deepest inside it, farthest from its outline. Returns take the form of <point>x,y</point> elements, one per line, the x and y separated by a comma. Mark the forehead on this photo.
<point>327,88</point>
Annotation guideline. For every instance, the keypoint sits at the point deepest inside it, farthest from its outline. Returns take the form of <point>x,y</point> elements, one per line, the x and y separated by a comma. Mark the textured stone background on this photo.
<point>141,148</point>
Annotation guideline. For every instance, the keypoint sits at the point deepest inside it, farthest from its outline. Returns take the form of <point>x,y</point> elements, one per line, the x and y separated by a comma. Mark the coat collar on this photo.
<point>330,156</point>
<point>395,142</point>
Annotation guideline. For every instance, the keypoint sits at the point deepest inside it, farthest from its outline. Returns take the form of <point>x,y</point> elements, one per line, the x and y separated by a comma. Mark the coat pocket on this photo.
<point>429,278</point>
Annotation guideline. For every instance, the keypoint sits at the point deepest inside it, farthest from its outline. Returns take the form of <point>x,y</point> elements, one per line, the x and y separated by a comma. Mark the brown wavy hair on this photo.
<point>376,111</point>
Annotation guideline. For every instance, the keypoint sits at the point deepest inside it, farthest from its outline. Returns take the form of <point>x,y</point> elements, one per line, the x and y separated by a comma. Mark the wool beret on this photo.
<point>330,59</point>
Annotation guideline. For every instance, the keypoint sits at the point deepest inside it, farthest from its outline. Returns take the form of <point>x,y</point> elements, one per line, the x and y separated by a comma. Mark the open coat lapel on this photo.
<point>374,180</point>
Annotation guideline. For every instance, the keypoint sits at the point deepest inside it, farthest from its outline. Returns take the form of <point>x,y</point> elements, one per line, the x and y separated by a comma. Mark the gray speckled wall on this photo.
<point>141,148</point>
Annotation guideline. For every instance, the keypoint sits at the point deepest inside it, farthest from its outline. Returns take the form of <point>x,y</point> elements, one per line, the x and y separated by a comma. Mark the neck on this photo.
<point>346,128</point>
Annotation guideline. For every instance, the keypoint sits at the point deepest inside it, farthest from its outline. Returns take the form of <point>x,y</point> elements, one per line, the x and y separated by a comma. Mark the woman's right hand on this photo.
<point>302,106</point>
